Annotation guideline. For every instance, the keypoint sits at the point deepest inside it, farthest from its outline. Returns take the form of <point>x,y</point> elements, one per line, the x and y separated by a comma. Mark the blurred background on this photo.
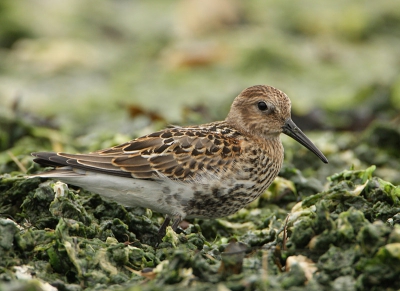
<point>93,69</point>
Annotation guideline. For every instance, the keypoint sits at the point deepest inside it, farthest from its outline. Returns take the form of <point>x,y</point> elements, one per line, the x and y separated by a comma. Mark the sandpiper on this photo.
<point>204,171</point>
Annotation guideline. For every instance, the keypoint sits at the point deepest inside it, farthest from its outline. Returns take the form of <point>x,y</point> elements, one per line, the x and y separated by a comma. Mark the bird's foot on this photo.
<point>163,229</point>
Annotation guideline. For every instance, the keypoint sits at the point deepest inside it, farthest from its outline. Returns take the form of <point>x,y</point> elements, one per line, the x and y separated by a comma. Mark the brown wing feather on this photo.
<point>177,153</point>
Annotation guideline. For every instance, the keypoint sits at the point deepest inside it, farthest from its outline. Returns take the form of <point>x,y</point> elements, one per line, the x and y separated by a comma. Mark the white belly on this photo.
<point>159,195</point>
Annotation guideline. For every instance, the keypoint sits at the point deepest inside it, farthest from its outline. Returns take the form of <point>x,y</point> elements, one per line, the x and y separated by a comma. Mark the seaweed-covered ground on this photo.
<point>305,233</point>
<point>78,76</point>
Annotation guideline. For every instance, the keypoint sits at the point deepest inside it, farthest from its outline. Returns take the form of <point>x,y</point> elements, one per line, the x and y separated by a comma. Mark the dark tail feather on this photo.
<point>49,159</point>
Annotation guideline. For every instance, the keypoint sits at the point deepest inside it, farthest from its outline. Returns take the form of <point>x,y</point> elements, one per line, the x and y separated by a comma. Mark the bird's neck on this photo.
<point>255,134</point>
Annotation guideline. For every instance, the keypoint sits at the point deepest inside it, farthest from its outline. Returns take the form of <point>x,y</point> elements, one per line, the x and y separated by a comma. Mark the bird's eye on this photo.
<point>262,106</point>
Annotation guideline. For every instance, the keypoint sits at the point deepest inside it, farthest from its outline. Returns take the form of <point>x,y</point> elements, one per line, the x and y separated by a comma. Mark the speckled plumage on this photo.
<point>207,171</point>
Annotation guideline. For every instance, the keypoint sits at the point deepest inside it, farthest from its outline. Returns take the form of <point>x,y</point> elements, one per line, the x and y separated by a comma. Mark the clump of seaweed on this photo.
<point>345,236</point>
<point>303,233</point>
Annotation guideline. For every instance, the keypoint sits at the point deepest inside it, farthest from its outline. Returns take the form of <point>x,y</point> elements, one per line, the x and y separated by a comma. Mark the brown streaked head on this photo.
<point>265,112</point>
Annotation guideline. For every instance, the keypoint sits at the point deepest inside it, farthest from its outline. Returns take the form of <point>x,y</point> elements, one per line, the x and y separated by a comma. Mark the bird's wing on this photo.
<point>184,154</point>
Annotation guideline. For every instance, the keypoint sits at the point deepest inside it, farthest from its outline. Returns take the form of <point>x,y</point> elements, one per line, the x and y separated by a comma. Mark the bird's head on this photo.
<point>265,112</point>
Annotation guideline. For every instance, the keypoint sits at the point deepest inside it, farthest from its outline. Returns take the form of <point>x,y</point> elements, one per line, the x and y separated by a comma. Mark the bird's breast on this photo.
<point>246,180</point>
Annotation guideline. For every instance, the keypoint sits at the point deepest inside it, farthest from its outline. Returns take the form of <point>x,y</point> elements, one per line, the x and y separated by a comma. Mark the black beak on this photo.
<point>291,129</point>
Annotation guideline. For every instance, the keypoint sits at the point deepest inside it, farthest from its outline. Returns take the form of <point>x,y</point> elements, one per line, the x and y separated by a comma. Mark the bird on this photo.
<point>201,171</point>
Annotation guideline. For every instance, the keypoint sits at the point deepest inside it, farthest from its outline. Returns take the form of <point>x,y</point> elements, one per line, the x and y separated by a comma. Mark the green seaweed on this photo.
<point>81,83</point>
<point>348,230</point>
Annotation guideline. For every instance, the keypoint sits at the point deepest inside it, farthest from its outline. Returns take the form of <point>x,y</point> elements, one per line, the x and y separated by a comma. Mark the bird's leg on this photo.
<point>163,229</point>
